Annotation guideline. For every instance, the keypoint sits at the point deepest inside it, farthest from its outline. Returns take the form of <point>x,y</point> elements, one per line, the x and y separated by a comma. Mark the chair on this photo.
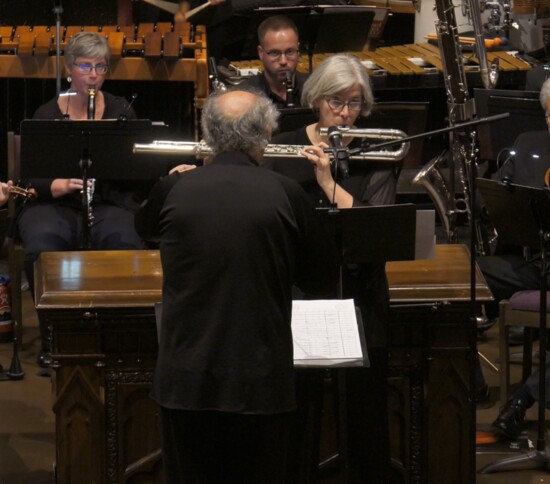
<point>15,250</point>
<point>522,309</point>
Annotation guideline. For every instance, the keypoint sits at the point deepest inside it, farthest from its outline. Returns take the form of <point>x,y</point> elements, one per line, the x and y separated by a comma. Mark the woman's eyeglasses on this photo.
<point>86,68</point>
<point>338,104</point>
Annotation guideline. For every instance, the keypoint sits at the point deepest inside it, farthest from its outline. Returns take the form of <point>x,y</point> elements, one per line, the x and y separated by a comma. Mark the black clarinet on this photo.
<point>91,102</point>
<point>88,189</point>
<point>289,91</point>
<point>461,108</point>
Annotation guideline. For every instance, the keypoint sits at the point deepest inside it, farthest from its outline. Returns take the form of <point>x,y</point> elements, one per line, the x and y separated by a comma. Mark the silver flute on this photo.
<point>202,150</point>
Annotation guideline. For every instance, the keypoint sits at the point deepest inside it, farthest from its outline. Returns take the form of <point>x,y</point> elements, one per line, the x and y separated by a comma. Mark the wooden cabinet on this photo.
<point>101,308</point>
<point>432,356</point>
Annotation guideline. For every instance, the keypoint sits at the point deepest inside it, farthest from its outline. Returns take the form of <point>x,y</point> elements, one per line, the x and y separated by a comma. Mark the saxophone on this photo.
<point>463,142</point>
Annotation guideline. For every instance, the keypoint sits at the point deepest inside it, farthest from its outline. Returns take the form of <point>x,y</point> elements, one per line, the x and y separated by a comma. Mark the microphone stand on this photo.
<point>472,227</point>
<point>15,371</point>
<point>540,457</point>
<point>475,122</point>
<point>58,11</point>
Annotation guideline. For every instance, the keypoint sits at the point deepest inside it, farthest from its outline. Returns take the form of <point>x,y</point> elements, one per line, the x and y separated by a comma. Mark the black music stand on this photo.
<point>293,118</point>
<point>521,216</point>
<point>66,148</point>
<point>322,28</point>
<point>365,235</point>
<point>54,148</point>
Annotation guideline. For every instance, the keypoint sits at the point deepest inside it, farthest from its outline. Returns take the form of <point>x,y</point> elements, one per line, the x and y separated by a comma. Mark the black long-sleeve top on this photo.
<point>125,194</point>
<point>233,239</point>
<point>369,184</point>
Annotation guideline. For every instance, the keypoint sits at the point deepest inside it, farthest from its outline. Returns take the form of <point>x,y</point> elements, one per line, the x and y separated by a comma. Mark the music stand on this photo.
<point>366,235</point>
<point>81,149</point>
<point>521,216</point>
<point>293,118</point>
<point>322,28</point>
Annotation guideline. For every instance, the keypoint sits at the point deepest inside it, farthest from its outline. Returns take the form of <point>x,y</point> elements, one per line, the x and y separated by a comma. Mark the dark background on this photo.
<point>39,12</point>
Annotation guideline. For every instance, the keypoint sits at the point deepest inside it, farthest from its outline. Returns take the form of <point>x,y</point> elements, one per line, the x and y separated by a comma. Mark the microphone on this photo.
<point>123,116</point>
<point>340,152</point>
<point>133,97</point>
<point>215,84</point>
<point>502,168</point>
<point>68,94</point>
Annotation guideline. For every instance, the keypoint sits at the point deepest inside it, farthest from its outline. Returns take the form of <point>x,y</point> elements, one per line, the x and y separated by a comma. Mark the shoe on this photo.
<point>510,420</point>
<point>483,323</point>
<point>44,359</point>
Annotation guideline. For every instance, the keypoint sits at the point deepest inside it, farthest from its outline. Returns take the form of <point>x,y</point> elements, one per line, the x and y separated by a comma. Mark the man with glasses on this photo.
<point>279,50</point>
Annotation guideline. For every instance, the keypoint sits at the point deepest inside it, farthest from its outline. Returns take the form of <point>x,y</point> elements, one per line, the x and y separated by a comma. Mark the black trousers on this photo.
<point>506,274</point>
<point>209,447</point>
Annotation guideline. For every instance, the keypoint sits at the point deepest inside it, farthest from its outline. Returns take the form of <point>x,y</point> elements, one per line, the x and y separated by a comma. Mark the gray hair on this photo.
<point>544,94</point>
<point>249,133</point>
<point>86,44</point>
<point>334,75</point>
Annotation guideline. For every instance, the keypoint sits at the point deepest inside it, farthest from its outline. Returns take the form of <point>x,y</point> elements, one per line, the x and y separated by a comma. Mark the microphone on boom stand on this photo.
<point>340,152</point>
<point>124,115</point>
<point>215,84</point>
<point>15,371</point>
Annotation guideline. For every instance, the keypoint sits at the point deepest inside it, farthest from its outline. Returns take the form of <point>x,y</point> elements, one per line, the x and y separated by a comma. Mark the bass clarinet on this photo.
<point>463,142</point>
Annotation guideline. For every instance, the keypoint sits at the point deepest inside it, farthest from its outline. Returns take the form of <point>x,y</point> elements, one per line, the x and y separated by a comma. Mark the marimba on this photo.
<point>412,65</point>
<point>146,52</point>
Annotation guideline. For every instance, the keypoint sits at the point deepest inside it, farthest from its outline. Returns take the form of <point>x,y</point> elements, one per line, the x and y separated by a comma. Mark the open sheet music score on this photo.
<point>326,334</point>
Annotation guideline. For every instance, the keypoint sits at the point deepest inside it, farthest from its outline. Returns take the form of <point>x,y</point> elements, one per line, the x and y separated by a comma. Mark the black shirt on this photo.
<point>369,185</point>
<point>121,193</point>
<point>259,82</point>
<point>233,239</point>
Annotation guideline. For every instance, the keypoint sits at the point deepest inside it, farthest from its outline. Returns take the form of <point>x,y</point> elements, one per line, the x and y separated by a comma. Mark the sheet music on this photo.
<point>424,247</point>
<point>325,333</point>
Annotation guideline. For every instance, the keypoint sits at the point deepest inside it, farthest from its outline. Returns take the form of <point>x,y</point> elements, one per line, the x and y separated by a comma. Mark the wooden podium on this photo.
<point>101,308</point>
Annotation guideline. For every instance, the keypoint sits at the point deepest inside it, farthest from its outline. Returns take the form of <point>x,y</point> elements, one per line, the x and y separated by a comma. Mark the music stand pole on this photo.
<point>58,11</point>
<point>539,458</point>
<point>365,235</point>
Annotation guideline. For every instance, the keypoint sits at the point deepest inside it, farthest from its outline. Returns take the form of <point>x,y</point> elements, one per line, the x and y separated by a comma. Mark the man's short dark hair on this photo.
<point>276,23</point>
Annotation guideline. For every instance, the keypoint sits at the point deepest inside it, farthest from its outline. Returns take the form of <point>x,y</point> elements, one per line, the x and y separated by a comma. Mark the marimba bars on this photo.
<point>148,51</point>
<point>419,61</point>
